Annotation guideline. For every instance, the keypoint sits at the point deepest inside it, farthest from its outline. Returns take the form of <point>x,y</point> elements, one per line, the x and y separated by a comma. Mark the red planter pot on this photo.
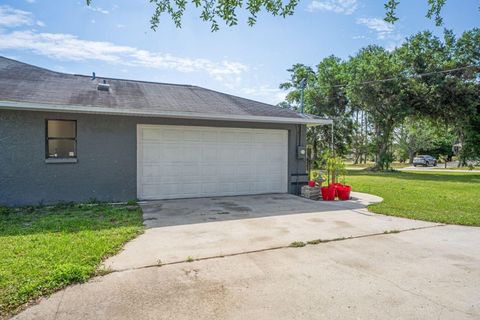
<point>335,186</point>
<point>343,192</point>
<point>328,193</point>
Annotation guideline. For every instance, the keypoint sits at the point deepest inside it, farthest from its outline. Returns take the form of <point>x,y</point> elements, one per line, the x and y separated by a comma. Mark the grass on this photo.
<point>441,166</point>
<point>43,249</point>
<point>297,244</point>
<point>446,197</point>
<point>395,165</point>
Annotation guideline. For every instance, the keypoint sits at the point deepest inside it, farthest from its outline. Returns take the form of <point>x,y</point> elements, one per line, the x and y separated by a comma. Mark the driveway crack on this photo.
<point>289,246</point>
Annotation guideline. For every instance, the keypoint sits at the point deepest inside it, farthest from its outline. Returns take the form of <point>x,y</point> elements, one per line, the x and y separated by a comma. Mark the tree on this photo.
<point>415,135</point>
<point>216,11</point>
<point>324,98</point>
<point>451,98</point>
<point>420,135</point>
<point>382,100</point>
<point>424,96</point>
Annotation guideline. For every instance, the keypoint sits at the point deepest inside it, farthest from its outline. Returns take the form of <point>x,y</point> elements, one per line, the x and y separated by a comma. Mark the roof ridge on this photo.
<point>32,65</point>
<point>89,76</point>
<point>228,95</point>
<point>134,80</point>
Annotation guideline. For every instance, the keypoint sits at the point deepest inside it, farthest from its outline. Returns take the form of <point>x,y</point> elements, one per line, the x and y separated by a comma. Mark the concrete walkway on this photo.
<point>246,269</point>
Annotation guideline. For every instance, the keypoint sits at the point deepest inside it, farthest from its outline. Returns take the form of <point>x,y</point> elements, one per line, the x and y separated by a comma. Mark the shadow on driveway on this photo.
<point>163,213</point>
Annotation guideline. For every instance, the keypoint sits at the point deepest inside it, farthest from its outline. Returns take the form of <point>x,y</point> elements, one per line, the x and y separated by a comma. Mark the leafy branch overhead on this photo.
<point>217,11</point>
<point>213,11</point>
<point>434,10</point>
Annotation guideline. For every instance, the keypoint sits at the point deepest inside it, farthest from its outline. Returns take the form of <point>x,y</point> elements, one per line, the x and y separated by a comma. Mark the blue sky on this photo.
<point>113,38</point>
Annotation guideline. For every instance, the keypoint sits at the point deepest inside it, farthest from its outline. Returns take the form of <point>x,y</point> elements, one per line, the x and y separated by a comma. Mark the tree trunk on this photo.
<point>411,155</point>
<point>357,156</point>
<point>382,161</point>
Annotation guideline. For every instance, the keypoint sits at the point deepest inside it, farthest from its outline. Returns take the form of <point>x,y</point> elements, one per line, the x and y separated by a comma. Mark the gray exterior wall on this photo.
<point>106,148</point>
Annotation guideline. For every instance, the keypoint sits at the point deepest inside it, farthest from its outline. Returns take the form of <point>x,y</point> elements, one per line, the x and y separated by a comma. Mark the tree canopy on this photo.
<point>422,96</point>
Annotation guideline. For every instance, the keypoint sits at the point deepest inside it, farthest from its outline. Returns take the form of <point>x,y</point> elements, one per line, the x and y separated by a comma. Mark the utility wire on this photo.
<point>420,75</point>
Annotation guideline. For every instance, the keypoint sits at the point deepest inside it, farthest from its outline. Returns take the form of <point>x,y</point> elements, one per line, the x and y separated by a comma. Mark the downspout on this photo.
<point>299,139</point>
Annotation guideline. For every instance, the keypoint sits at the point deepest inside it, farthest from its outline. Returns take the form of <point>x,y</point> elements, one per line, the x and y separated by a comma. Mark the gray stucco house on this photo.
<point>70,137</point>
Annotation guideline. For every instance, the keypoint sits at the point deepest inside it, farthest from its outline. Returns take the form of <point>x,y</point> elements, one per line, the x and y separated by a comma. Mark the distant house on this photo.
<point>70,137</point>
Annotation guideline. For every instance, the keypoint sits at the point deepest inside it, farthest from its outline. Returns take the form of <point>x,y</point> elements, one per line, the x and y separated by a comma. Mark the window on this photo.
<point>61,139</point>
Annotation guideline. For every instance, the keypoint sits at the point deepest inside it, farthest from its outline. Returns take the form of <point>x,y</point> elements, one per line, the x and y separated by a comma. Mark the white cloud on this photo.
<point>10,17</point>
<point>380,26</point>
<point>337,6</point>
<point>98,9</point>
<point>120,25</point>
<point>265,93</point>
<point>69,47</point>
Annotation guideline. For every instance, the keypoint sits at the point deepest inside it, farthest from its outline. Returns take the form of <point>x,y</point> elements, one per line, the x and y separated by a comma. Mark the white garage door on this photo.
<point>185,162</point>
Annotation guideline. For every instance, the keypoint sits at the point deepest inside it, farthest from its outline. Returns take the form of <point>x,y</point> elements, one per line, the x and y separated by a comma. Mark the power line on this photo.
<point>420,75</point>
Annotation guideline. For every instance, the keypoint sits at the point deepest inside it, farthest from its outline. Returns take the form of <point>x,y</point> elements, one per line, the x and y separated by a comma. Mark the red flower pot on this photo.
<point>335,186</point>
<point>311,183</point>
<point>328,193</point>
<point>343,192</point>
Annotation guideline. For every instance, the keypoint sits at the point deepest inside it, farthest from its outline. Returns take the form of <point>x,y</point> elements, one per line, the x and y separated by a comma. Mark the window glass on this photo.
<point>61,129</point>
<point>61,148</point>
<point>61,139</point>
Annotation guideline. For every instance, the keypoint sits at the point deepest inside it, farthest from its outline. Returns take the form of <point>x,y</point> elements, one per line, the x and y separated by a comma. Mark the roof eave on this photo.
<point>29,106</point>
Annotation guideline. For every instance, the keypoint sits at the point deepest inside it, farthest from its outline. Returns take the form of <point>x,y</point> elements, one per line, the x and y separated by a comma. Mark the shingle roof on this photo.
<point>24,83</point>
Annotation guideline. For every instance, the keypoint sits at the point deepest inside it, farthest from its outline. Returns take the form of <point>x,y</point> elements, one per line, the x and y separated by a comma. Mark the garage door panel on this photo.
<point>192,189</point>
<point>190,153</point>
<point>208,136</point>
<point>244,137</point>
<point>227,187</point>
<point>226,170</point>
<point>151,133</point>
<point>191,135</point>
<point>178,161</point>
<point>245,187</point>
<point>209,153</point>
<point>229,137</point>
<point>209,170</point>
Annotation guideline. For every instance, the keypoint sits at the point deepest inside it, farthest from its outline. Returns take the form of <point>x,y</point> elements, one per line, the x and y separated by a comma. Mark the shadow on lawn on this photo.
<point>473,178</point>
<point>67,218</point>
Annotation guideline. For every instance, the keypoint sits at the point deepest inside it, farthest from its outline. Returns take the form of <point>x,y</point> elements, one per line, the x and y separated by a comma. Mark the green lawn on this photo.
<point>394,165</point>
<point>46,248</point>
<point>447,197</point>
<point>441,166</point>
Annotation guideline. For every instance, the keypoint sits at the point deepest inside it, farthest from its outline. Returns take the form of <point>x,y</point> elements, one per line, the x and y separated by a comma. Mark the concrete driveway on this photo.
<point>377,267</point>
<point>179,230</point>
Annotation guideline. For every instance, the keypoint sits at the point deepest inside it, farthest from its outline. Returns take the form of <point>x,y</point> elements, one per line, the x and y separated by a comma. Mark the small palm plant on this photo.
<point>335,169</point>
